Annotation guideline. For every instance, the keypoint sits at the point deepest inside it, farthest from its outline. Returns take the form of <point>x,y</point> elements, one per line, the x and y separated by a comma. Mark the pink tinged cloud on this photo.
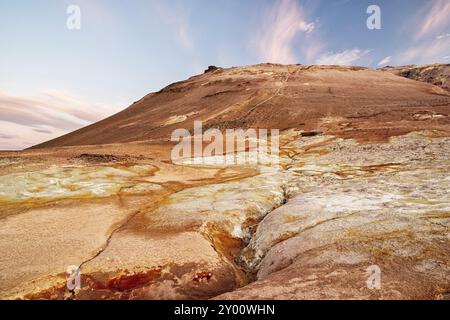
<point>280,27</point>
<point>26,121</point>
<point>385,61</point>
<point>443,36</point>
<point>434,51</point>
<point>177,19</point>
<point>437,17</point>
<point>431,41</point>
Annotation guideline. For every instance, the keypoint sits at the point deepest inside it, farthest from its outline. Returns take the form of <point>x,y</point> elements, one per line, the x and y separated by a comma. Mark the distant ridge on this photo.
<point>437,74</point>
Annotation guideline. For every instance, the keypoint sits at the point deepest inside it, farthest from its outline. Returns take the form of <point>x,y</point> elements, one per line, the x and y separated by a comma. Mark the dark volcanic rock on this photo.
<point>437,74</point>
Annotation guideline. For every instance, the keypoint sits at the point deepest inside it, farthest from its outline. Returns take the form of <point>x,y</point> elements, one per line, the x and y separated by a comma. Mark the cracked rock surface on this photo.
<point>308,228</point>
<point>362,184</point>
<point>359,210</point>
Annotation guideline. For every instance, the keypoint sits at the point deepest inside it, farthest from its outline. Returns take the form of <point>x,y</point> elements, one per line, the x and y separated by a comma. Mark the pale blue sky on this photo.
<point>54,80</point>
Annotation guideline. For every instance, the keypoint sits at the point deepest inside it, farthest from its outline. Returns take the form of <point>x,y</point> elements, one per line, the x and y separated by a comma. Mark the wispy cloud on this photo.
<point>385,61</point>
<point>312,50</point>
<point>346,57</point>
<point>436,15</point>
<point>32,119</point>
<point>430,42</point>
<point>442,36</point>
<point>177,20</point>
<point>425,52</point>
<point>281,24</point>
<point>6,136</point>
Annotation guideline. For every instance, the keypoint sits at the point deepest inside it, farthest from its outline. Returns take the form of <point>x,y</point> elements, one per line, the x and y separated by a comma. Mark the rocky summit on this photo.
<point>357,207</point>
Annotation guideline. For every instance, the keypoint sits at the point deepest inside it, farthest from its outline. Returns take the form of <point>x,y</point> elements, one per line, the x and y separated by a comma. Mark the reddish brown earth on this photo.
<point>352,102</point>
<point>363,180</point>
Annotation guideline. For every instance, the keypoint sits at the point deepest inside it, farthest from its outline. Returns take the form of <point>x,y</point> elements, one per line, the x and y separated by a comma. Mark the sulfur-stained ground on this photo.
<point>140,227</point>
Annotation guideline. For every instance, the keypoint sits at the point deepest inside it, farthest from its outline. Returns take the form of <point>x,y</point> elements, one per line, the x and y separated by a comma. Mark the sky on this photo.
<point>55,79</point>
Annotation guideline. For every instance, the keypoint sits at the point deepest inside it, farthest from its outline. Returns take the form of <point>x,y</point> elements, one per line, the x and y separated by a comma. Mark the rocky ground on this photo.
<point>308,228</point>
<point>437,74</point>
<point>368,189</point>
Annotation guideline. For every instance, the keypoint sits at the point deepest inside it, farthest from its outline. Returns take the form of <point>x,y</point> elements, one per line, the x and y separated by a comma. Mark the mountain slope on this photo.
<point>334,213</point>
<point>437,74</point>
<point>347,101</point>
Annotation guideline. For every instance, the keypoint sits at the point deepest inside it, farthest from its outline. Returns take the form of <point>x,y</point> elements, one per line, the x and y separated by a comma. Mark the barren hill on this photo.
<point>437,74</point>
<point>347,101</point>
<point>361,211</point>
